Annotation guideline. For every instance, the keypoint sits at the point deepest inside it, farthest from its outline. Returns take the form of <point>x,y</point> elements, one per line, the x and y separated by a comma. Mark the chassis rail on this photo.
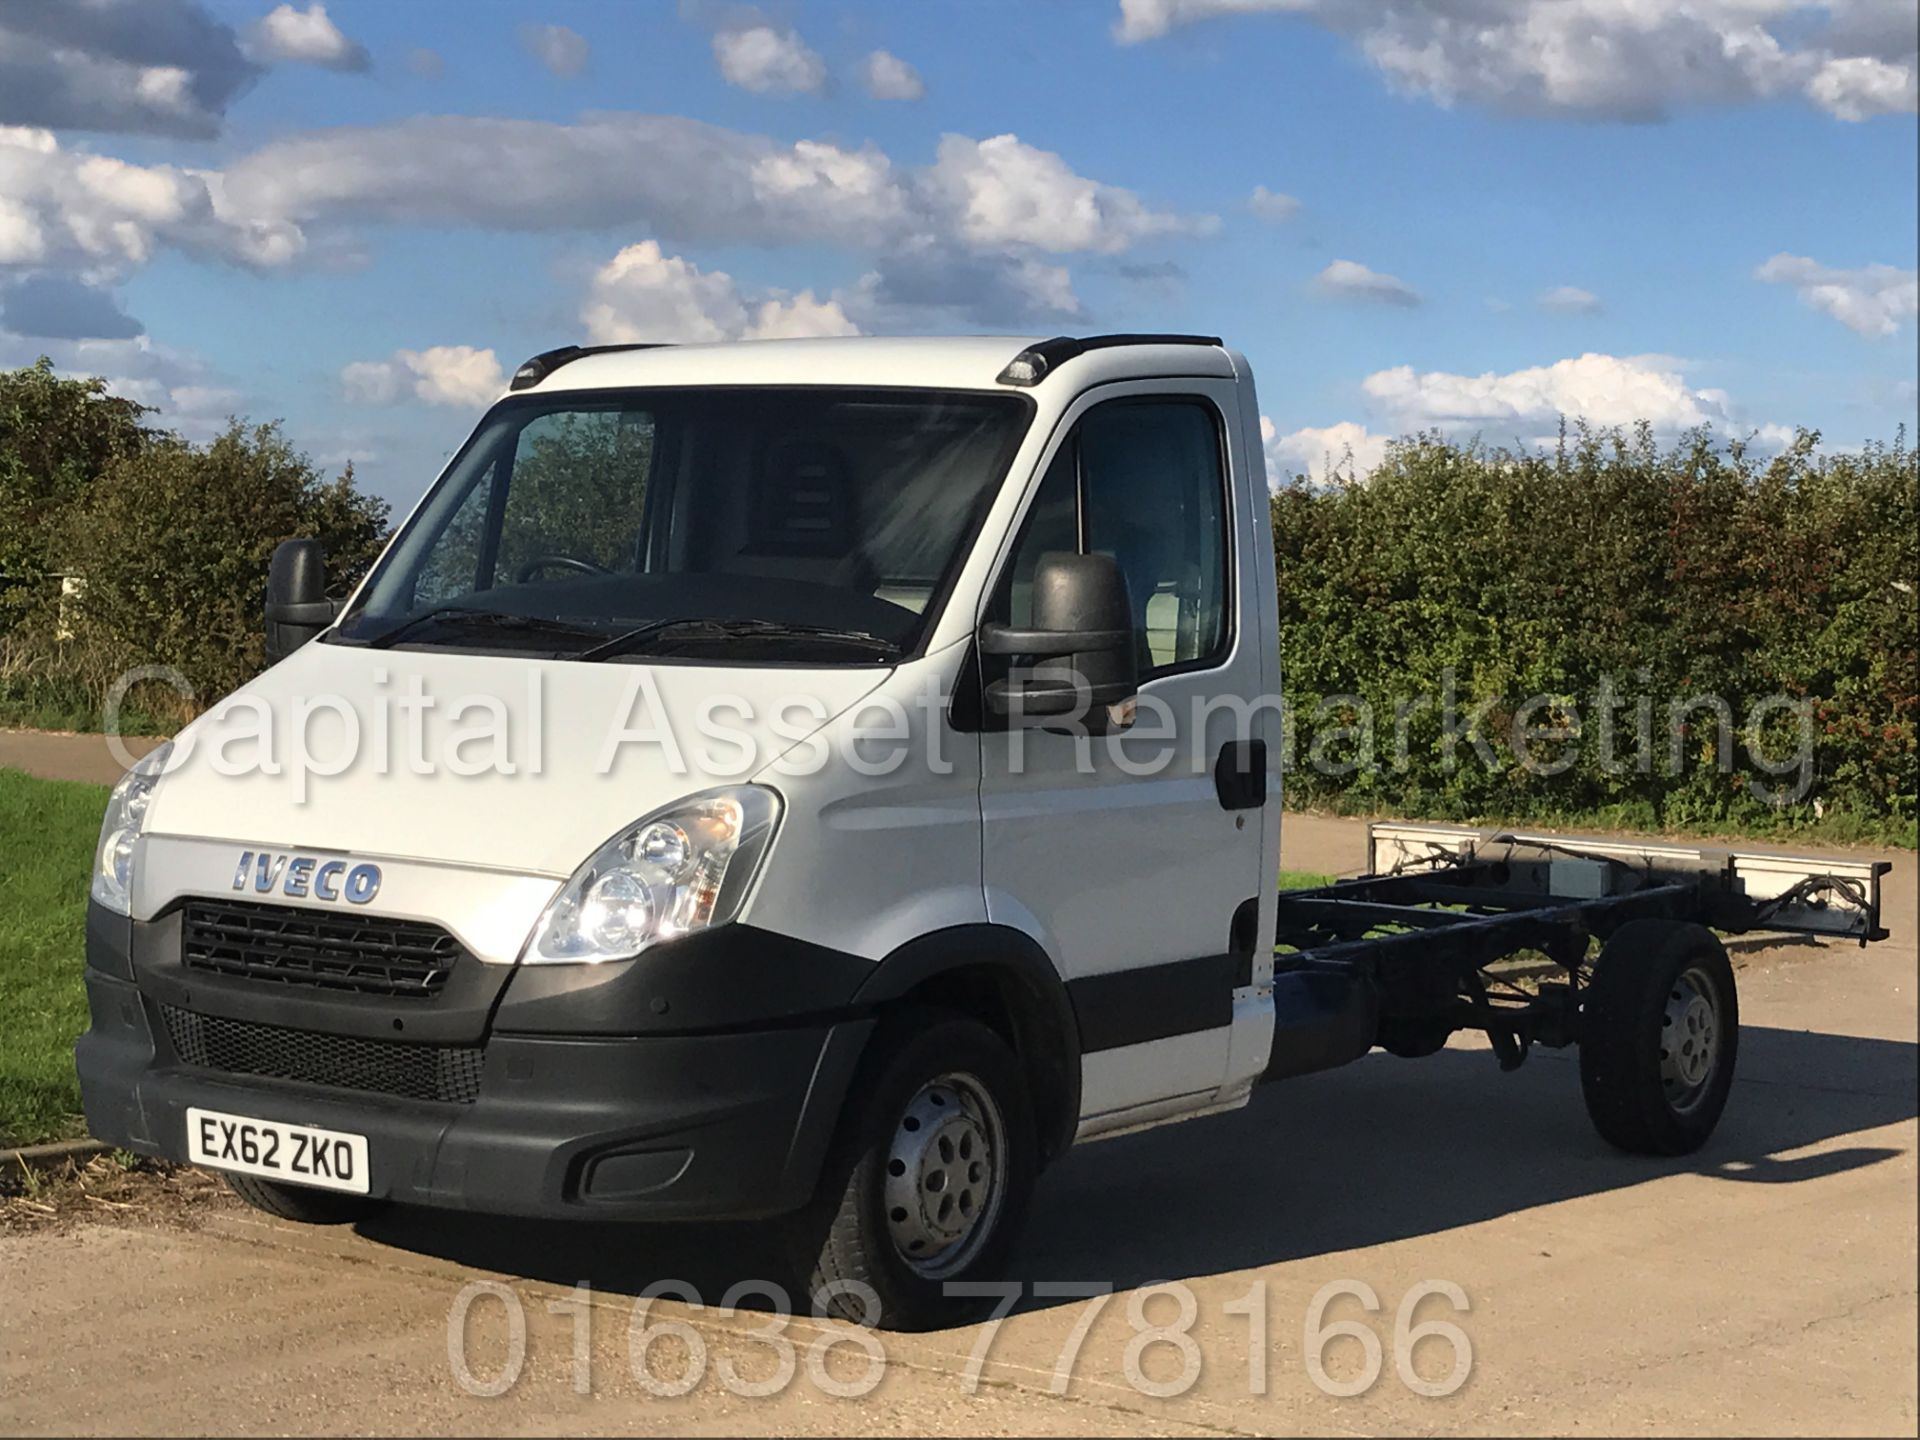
<point>1418,948</point>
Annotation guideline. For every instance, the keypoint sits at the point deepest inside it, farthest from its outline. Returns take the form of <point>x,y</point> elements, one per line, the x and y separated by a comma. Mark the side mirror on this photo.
<point>1082,639</point>
<point>297,604</point>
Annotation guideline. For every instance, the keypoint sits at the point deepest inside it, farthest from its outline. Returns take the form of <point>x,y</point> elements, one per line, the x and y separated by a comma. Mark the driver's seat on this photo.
<point>803,524</point>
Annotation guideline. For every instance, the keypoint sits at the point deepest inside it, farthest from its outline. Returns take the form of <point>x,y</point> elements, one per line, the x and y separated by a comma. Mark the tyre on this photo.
<point>928,1180</point>
<point>301,1203</point>
<point>1660,1032</point>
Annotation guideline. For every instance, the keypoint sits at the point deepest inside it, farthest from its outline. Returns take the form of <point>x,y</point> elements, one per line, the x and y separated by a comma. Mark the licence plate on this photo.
<point>301,1154</point>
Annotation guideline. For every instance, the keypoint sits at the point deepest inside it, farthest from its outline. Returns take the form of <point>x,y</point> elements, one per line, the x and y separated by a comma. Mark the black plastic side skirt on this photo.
<point>1154,1002</point>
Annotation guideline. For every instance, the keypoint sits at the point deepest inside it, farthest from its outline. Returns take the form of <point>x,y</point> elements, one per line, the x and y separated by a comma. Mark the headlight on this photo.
<point>120,828</point>
<point>686,868</point>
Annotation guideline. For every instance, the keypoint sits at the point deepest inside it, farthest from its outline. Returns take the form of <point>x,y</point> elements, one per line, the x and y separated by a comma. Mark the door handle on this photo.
<point>1240,775</point>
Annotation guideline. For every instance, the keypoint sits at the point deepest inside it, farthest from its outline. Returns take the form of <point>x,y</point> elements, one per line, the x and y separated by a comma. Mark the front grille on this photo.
<point>330,949</point>
<point>449,1073</point>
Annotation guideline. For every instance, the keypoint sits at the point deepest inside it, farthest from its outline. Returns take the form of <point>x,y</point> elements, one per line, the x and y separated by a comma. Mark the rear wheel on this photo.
<point>929,1179</point>
<point>1660,1031</point>
<point>301,1203</point>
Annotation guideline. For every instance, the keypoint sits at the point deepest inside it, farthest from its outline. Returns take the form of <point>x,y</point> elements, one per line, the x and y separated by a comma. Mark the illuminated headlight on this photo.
<point>120,831</point>
<point>686,868</point>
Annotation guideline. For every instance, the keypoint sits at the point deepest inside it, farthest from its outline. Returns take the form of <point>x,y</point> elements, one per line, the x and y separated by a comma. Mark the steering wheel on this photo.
<point>563,562</point>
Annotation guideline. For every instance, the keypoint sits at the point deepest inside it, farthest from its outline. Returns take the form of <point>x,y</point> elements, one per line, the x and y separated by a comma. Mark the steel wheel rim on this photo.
<point>945,1175</point>
<point>1689,1040</point>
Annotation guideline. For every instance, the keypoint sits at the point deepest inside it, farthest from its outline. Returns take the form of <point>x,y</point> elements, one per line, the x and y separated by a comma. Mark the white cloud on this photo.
<point>1873,300</point>
<point>1569,300</point>
<point>1346,450</point>
<point>163,67</point>
<point>22,240</point>
<point>769,61</point>
<point>204,402</point>
<point>427,64</point>
<point>454,374</point>
<point>308,37</point>
<point>799,317</point>
<point>888,77</point>
<point>439,375</point>
<point>375,382</point>
<point>1613,59</point>
<point>1602,389</point>
<point>1150,19</point>
<point>564,52</point>
<point>690,181</point>
<point>1526,406</point>
<point>680,178</point>
<point>1002,192</point>
<point>1350,280</point>
<point>645,295</point>
<point>1858,87</point>
<point>822,190</point>
<point>70,210</point>
<point>970,236</point>
<point>1272,206</point>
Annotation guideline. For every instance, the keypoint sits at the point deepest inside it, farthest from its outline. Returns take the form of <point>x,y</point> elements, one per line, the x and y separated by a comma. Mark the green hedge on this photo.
<point>1610,568</point>
<point>170,541</point>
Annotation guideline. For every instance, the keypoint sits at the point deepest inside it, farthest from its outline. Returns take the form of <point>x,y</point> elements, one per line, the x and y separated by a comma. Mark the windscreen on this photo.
<point>818,524</point>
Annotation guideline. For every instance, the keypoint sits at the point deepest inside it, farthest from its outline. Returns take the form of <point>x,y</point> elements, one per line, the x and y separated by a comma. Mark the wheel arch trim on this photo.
<point>1047,1030</point>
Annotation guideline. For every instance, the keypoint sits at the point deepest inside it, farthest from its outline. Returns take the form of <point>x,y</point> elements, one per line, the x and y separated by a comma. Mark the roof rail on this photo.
<point>1033,364</point>
<point>546,362</point>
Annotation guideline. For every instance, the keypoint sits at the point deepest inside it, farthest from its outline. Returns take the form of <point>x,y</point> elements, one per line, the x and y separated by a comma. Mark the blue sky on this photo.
<point>1474,215</point>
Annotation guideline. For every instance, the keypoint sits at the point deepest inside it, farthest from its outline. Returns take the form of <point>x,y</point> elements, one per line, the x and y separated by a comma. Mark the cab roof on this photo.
<point>964,362</point>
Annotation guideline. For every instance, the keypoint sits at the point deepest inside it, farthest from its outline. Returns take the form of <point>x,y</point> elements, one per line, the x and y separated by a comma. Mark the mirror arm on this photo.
<point>998,639</point>
<point>1030,700</point>
<point>314,612</point>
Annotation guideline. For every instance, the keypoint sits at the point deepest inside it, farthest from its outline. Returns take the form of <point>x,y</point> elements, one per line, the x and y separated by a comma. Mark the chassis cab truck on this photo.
<point>823,781</point>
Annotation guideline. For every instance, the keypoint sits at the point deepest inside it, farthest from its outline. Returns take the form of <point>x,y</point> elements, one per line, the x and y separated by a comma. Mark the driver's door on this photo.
<point>1133,872</point>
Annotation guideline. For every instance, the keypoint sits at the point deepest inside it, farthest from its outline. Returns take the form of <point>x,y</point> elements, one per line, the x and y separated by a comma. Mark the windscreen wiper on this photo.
<point>707,627</point>
<point>468,615</point>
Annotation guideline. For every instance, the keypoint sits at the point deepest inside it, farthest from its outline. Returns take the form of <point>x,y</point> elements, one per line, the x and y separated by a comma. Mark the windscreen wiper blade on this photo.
<point>468,615</point>
<point>714,628</point>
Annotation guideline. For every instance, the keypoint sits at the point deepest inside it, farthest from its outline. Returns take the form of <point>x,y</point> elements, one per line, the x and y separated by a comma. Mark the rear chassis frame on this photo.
<point>1414,939</point>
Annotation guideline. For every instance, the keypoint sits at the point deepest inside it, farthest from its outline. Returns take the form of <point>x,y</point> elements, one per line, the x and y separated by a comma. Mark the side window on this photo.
<point>1145,482</point>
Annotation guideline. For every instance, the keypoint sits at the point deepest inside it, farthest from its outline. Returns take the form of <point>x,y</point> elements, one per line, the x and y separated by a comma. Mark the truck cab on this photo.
<point>800,779</point>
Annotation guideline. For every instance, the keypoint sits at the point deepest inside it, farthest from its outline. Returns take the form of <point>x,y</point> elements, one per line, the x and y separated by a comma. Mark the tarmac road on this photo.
<point>1764,1286</point>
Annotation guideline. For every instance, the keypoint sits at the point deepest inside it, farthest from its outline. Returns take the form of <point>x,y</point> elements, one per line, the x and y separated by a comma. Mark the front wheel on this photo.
<point>1660,1030</point>
<point>929,1179</point>
<point>301,1203</point>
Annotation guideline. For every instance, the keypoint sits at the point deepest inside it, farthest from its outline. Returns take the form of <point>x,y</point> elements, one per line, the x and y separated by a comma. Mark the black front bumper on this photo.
<point>728,1123</point>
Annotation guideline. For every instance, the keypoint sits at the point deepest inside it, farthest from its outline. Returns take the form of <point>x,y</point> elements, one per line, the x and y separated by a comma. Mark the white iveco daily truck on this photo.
<point>892,802</point>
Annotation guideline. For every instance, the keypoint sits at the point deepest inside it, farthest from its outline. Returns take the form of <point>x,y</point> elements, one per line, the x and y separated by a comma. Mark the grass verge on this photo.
<point>1844,830</point>
<point>1303,880</point>
<point>47,834</point>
